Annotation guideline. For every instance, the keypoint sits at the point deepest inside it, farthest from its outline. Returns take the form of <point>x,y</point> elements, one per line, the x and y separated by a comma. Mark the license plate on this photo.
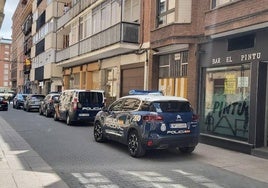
<point>178,125</point>
<point>83,115</point>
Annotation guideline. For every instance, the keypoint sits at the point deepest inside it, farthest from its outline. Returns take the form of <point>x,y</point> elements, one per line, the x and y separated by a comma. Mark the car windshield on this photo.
<point>170,106</point>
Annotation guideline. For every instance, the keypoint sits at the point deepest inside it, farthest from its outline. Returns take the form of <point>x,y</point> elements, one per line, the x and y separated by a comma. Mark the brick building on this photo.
<point>5,50</point>
<point>21,45</point>
<point>233,75</point>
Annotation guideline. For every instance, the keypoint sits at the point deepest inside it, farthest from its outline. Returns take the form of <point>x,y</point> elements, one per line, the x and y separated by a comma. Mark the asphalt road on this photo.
<point>81,162</point>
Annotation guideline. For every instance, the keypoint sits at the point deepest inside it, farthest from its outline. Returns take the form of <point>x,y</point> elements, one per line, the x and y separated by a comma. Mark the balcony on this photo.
<point>73,12</point>
<point>118,39</point>
<point>27,45</point>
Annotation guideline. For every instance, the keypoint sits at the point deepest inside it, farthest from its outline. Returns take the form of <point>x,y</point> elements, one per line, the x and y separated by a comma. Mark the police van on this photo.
<point>79,105</point>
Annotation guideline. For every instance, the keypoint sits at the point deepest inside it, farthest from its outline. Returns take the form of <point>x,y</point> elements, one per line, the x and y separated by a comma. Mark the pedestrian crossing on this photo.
<point>145,179</point>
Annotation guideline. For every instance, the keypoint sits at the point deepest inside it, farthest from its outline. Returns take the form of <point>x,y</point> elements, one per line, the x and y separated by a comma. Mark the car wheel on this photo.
<point>187,149</point>
<point>98,132</point>
<point>55,117</point>
<point>134,145</point>
<point>46,113</point>
<point>40,111</point>
<point>68,120</point>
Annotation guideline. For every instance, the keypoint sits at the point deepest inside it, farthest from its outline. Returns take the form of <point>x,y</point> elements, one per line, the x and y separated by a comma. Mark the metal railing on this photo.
<point>121,32</point>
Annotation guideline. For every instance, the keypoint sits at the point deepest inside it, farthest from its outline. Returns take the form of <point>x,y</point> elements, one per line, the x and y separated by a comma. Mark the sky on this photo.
<point>9,9</point>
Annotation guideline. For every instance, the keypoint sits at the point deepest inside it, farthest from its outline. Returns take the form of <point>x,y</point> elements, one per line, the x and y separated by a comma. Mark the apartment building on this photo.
<point>102,45</point>
<point>44,75</point>
<point>5,50</point>
<point>21,47</point>
<point>233,101</point>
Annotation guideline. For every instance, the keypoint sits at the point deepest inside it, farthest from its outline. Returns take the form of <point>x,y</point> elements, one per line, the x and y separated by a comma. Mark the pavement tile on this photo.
<point>7,180</point>
<point>21,166</point>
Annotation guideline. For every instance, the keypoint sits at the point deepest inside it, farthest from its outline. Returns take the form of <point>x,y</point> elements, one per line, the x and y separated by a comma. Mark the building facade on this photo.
<point>2,15</point>
<point>21,46</point>
<point>5,51</point>
<point>102,45</point>
<point>44,76</point>
<point>233,75</point>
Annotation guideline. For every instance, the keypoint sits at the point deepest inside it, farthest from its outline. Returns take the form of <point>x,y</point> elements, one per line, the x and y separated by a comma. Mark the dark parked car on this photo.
<point>47,105</point>
<point>79,105</point>
<point>33,101</point>
<point>3,104</point>
<point>145,122</point>
<point>18,100</point>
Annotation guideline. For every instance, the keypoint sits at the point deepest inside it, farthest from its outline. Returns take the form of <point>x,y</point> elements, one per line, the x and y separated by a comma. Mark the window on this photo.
<point>171,106</point>
<point>131,11</point>
<point>170,11</point>
<point>226,109</point>
<point>216,3</point>
<point>76,79</point>
<point>131,104</point>
<point>117,106</point>
<point>173,65</point>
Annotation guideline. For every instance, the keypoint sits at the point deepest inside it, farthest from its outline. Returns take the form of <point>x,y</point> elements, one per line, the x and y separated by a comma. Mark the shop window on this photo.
<point>226,109</point>
<point>242,42</point>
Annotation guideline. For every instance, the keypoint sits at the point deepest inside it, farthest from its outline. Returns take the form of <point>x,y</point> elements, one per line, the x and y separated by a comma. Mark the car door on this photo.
<point>110,123</point>
<point>130,105</point>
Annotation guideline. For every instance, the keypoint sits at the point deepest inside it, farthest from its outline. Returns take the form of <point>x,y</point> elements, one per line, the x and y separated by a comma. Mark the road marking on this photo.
<point>94,180</point>
<point>157,180</point>
<point>199,179</point>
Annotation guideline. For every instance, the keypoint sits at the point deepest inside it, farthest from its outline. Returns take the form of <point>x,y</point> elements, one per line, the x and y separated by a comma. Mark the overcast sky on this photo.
<point>9,9</point>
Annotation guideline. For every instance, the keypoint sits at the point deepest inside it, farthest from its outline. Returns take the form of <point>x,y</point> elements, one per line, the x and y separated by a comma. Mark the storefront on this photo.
<point>233,87</point>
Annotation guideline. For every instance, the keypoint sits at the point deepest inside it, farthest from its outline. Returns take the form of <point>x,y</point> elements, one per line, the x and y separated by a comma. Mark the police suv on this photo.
<point>145,122</point>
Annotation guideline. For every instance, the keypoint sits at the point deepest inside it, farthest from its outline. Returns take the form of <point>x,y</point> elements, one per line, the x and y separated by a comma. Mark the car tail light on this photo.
<point>195,117</point>
<point>152,118</point>
<point>75,101</point>
<point>150,143</point>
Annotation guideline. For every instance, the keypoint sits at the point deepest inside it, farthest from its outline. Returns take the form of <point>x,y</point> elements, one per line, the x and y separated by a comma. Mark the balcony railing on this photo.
<point>119,33</point>
<point>73,12</point>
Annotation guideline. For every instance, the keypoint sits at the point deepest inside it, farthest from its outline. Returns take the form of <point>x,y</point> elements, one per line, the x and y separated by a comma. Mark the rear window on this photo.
<point>90,97</point>
<point>170,106</point>
<point>40,97</point>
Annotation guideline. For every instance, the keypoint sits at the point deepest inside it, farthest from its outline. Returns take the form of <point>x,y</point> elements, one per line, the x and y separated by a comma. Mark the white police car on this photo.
<point>145,122</point>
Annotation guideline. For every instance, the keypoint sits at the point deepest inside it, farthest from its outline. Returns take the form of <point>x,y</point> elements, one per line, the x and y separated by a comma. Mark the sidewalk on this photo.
<point>20,165</point>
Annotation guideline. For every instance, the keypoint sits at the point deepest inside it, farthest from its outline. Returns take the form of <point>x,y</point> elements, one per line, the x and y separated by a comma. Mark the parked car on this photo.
<point>18,100</point>
<point>145,122</point>
<point>33,102</point>
<point>3,104</point>
<point>79,105</point>
<point>47,105</point>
